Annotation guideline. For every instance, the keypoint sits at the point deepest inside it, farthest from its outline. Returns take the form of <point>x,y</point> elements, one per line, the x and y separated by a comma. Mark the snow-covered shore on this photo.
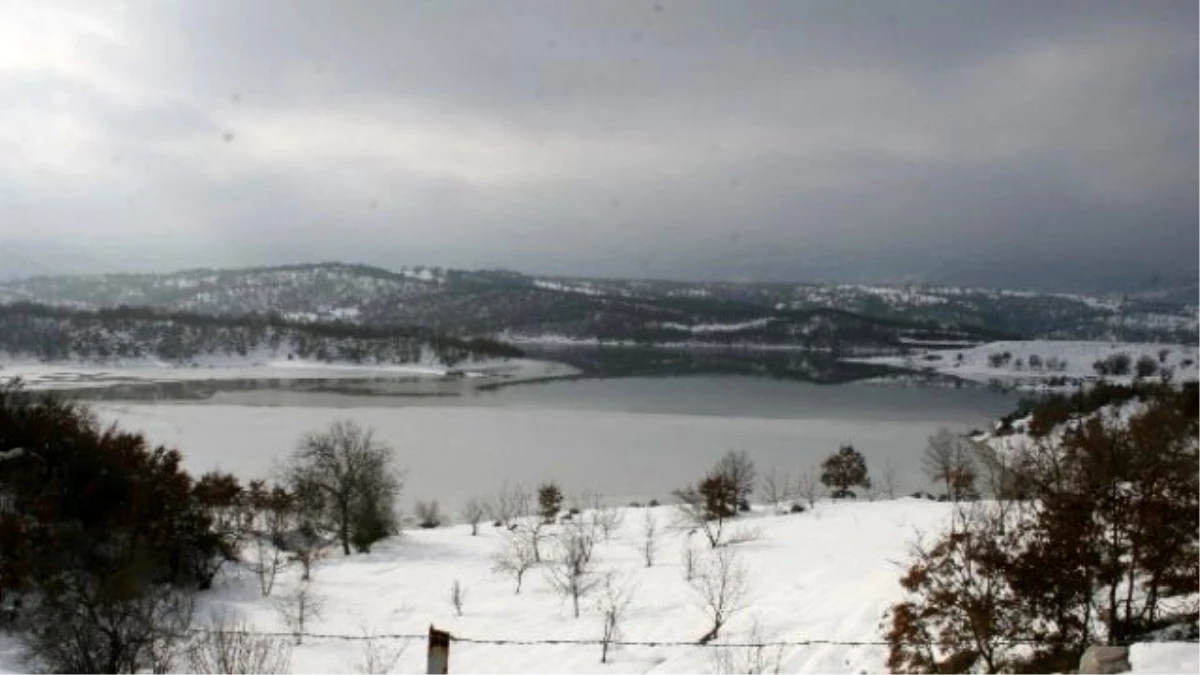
<point>1065,362</point>
<point>75,374</point>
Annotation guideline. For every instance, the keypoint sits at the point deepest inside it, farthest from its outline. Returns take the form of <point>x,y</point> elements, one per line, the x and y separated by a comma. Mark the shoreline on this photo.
<point>68,376</point>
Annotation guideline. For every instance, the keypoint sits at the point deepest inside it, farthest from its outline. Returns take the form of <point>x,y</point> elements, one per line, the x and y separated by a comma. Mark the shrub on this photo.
<point>718,497</point>
<point>844,469</point>
<point>1146,366</point>
<point>429,515</point>
<point>550,500</point>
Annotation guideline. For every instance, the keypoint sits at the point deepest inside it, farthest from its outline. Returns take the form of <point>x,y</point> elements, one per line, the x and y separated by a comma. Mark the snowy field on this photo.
<point>453,453</point>
<point>823,575</point>
<point>826,575</point>
<point>1078,357</point>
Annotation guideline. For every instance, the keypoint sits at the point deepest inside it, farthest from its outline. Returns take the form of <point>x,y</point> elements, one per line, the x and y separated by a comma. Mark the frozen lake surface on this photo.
<point>627,438</point>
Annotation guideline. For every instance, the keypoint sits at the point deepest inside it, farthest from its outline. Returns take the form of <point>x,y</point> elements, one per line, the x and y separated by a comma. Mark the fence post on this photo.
<point>437,660</point>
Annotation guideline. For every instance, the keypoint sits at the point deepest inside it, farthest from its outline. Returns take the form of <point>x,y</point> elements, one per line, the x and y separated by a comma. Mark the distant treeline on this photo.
<point>57,333</point>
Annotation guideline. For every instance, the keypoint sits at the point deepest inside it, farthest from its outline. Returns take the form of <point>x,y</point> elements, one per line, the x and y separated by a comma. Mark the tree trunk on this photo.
<point>344,532</point>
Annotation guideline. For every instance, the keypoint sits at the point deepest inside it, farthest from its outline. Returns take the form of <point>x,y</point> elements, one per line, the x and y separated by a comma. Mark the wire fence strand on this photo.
<point>518,642</point>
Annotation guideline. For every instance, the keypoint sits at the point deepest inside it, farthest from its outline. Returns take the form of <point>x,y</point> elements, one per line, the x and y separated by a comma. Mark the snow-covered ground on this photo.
<point>70,375</point>
<point>1077,356</point>
<point>1165,657</point>
<point>823,575</point>
<point>826,575</point>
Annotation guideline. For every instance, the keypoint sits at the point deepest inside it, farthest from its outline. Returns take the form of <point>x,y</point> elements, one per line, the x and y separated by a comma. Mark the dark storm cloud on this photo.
<point>1019,143</point>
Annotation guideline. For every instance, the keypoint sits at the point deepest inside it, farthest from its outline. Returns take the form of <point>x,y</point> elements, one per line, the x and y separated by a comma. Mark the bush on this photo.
<point>844,469</point>
<point>550,500</point>
<point>1115,364</point>
<point>105,536</point>
<point>1146,366</point>
<point>226,647</point>
<point>429,515</point>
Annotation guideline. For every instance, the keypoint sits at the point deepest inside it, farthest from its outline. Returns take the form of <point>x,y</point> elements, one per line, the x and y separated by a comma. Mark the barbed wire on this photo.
<point>315,636</point>
<point>518,642</point>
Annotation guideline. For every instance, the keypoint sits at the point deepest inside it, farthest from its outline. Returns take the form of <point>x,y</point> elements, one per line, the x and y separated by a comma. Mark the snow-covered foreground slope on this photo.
<point>825,575</point>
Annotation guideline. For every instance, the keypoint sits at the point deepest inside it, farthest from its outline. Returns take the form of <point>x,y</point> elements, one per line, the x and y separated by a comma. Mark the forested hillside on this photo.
<point>56,333</point>
<point>495,301</point>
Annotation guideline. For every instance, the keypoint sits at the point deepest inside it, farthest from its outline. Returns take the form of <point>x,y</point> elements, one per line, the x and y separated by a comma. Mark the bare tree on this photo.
<point>572,572</point>
<point>608,518</point>
<point>742,534</point>
<point>378,656</point>
<point>948,460</point>
<point>808,486</point>
<point>693,515</point>
<point>300,607</point>
<point>615,597</point>
<point>345,479</point>
<point>473,513</point>
<point>687,558</point>
<point>1001,480</point>
<point>889,478</point>
<point>752,657</point>
<point>229,647</point>
<point>307,547</point>
<point>776,489</point>
<point>270,518</point>
<point>265,561</point>
<point>514,559</point>
<point>458,595</point>
<point>721,587</point>
<point>97,625</point>
<point>648,544</point>
<point>510,504</point>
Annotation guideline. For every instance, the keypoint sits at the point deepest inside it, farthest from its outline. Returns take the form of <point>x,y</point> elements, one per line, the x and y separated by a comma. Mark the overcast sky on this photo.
<point>1015,143</point>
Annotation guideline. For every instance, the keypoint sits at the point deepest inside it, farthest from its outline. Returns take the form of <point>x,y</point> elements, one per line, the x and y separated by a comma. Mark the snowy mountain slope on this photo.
<point>489,301</point>
<point>463,303</point>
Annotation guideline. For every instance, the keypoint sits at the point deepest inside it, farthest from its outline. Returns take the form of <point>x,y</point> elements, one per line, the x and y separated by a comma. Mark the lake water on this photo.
<point>624,437</point>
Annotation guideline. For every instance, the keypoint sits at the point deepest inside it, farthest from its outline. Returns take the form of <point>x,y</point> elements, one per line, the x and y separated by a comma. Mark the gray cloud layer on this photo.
<point>1018,143</point>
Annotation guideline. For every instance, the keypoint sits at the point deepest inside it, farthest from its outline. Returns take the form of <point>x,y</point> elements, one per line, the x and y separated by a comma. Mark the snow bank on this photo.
<point>1164,657</point>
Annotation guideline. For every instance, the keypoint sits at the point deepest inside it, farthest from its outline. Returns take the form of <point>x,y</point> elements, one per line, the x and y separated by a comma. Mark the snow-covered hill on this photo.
<point>490,301</point>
